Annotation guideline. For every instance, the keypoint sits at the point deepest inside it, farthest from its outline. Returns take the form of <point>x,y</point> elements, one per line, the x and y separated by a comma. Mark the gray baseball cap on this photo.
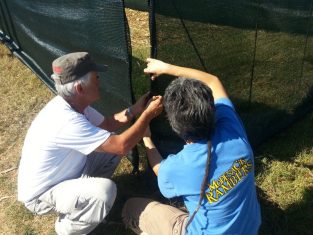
<point>73,66</point>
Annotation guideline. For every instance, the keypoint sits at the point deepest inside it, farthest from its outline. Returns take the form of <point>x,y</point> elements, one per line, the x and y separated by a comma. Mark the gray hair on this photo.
<point>189,105</point>
<point>68,90</point>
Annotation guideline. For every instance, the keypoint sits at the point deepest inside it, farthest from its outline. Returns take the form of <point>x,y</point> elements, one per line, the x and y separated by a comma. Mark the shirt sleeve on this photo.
<point>226,116</point>
<point>93,116</point>
<point>166,175</point>
<point>81,135</point>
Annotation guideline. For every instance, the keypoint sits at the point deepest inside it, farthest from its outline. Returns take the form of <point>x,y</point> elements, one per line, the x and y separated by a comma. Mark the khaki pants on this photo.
<point>145,216</point>
<point>82,203</point>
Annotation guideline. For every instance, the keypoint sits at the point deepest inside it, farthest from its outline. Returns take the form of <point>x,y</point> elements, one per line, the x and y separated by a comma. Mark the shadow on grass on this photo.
<point>285,146</point>
<point>129,185</point>
<point>296,219</point>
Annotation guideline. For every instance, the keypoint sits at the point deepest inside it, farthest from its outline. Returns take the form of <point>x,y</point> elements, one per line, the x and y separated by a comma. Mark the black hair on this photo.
<point>189,105</point>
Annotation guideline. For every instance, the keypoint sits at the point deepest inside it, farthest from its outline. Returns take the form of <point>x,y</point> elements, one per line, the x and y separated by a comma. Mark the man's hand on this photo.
<point>154,107</point>
<point>122,143</point>
<point>155,68</point>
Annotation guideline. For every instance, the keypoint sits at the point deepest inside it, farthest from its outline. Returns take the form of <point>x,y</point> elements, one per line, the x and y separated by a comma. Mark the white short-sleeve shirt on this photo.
<point>56,146</point>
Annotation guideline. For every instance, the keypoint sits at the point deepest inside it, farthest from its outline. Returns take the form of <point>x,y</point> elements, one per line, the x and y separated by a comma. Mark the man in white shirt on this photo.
<point>70,151</point>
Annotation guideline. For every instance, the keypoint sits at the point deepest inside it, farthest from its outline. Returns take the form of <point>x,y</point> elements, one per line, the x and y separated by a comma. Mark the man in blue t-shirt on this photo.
<point>217,186</point>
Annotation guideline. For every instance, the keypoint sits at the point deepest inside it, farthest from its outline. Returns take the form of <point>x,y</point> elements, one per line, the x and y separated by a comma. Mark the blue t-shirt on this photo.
<point>230,205</point>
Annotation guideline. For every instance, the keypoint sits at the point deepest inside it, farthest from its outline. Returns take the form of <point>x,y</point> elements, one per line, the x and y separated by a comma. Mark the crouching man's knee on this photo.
<point>101,199</point>
<point>135,214</point>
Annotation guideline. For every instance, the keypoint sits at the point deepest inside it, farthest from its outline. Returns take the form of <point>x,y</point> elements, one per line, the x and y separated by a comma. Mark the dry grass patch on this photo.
<point>22,96</point>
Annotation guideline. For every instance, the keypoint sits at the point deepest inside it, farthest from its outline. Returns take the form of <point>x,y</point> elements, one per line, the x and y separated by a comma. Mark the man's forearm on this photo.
<point>153,154</point>
<point>179,71</point>
<point>121,144</point>
<point>210,80</point>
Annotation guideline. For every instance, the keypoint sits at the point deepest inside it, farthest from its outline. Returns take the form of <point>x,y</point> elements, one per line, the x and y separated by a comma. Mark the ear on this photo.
<point>79,88</point>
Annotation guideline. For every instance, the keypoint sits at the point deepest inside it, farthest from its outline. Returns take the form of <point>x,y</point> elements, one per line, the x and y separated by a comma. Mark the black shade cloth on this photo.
<point>141,5</point>
<point>38,31</point>
<point>261,50</point>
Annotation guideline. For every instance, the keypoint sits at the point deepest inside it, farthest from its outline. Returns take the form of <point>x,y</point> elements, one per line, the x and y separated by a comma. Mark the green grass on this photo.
<point>284,164</point>
<point>284,177</point>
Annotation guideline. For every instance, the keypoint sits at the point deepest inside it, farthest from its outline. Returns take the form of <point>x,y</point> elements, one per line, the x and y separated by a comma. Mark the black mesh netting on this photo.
<point>260,49</point>
<point>44,30</point>
<point>39,31</point>
<point>141,5</point>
